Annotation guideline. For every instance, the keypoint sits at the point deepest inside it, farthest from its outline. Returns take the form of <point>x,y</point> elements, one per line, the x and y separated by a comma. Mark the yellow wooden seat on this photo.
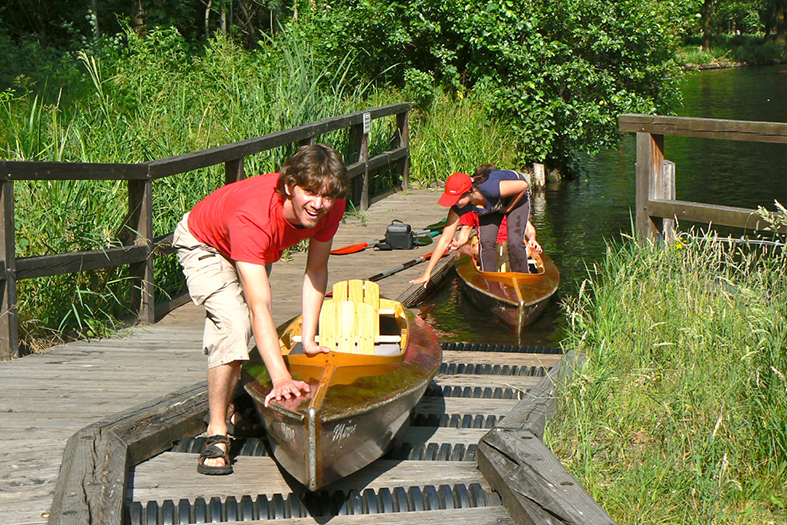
<point>350,321</point>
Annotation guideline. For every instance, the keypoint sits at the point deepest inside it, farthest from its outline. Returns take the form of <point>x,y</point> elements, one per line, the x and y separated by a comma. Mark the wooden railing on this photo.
<point>656,206</point>
<point>140,248</point>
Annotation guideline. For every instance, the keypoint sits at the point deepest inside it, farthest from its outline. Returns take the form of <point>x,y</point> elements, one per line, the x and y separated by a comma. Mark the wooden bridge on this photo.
<point>50,397</point>
<point>66,407</point>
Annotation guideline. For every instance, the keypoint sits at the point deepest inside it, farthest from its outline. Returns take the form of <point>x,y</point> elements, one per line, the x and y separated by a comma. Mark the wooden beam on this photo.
<point>705,128</point>
<point>140,223</point>
<point>9,311</point>
<point>533,484</point>
<point>209,157</point>
<point>45,265</point>
<point>709,213</point>
<point>650,162</point>
<point>33,170</point>
<point>92,483</point>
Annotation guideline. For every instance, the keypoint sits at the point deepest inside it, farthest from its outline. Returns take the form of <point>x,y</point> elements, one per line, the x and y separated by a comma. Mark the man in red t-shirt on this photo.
<point>226,246</point>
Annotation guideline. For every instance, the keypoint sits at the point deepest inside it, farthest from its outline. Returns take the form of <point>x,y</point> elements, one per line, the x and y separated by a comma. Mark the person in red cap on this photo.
<point>492,194</point>
<point>468,221</point>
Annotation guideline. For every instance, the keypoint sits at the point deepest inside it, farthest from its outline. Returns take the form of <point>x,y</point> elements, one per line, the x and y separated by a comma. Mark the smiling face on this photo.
<point>305,207</point>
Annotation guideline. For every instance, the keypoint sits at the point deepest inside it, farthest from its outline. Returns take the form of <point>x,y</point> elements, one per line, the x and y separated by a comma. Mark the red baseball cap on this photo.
<point>455,186</point>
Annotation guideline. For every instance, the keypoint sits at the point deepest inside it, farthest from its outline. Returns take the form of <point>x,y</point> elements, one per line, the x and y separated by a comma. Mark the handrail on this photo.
<point>656,206</point>
<point>141,249</point>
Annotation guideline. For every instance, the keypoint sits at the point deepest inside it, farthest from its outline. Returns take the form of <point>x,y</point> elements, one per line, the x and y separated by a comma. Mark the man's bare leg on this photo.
<point>222,381</point>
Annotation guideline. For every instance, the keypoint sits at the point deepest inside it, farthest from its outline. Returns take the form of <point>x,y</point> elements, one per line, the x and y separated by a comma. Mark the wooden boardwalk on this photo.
<point>48,397</point>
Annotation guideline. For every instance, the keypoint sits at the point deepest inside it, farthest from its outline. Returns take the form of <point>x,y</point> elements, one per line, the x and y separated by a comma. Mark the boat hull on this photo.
<point>357,406</point>
<point>513,299</point>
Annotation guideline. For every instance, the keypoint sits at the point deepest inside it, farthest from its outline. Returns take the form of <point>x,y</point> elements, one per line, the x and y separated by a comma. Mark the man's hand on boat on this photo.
<point>313,349</point>
<point>286,389</point>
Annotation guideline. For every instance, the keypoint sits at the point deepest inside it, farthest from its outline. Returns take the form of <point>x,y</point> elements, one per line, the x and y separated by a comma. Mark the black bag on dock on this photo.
<point>399,236</point>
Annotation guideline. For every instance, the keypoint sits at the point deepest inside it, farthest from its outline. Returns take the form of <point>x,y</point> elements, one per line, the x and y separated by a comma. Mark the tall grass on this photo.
<point>680,414</point>
<point>456,135</point>
<point>152,98</point>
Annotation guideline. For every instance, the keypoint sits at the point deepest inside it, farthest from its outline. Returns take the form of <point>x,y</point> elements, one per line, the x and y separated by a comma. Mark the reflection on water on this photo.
<point>575,219</point>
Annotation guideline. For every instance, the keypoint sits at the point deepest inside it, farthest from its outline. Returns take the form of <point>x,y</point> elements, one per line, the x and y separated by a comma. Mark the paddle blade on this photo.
<point>353,248</point>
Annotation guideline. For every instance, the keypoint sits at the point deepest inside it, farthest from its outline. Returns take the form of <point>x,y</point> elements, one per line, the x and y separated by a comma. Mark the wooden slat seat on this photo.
<point>350,321</point>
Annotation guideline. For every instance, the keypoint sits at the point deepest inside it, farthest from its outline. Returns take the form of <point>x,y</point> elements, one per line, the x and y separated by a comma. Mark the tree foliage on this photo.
<point>558,72</point>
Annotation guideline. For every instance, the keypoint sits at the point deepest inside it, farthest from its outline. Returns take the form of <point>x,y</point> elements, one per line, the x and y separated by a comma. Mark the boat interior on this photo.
<point>356,320</point>
<point>535,265</point>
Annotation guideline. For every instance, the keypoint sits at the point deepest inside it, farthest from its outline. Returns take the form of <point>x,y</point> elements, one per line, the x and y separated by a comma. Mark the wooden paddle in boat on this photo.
<point>362,392</point>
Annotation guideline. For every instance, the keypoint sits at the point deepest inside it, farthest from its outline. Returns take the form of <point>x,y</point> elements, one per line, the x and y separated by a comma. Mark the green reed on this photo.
<point>154,98</point>
<point>679,416</point>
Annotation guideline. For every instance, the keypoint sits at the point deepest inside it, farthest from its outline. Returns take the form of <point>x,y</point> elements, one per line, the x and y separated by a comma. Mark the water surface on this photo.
<point>575,219</point>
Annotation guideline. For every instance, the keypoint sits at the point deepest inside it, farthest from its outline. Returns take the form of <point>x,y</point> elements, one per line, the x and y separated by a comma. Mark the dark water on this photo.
<point>576,218</point>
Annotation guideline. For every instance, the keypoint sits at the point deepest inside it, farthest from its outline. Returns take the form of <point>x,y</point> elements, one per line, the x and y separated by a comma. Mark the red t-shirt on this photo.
<point>471,219</point>
<point>245,221</point>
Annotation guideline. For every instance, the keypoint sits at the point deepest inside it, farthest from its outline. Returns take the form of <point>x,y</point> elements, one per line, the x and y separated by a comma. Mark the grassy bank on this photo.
<point>680,415</point>
<point>732,51</point>
<point>154,99</point>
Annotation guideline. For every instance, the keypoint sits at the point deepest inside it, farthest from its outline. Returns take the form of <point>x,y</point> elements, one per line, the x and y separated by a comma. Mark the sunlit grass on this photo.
<point>680,414</point>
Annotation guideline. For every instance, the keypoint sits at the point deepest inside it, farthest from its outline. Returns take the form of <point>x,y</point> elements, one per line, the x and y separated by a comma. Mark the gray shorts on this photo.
<point>213,282</point>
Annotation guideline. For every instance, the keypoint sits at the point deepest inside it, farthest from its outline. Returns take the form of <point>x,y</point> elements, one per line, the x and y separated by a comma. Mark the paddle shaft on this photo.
<point>401,267</point>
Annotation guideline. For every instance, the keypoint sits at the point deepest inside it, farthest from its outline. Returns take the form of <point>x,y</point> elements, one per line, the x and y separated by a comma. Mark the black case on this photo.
<point>399,235</point>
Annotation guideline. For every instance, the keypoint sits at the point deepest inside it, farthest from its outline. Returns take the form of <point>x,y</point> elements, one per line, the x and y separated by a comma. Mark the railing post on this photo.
<point>650,161</point>
<point>140,222</point>
<point>234,171</point>
<point>359,142</point>
<point>403,139</point>
<point>9,313</point>
<point>664,188</point>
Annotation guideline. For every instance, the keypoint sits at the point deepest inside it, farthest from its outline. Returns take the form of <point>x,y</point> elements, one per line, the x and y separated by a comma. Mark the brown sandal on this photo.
<point>212,450</point>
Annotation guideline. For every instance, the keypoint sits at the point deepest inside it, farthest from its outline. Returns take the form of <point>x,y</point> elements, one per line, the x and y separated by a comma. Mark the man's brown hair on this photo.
<point>312,166</point>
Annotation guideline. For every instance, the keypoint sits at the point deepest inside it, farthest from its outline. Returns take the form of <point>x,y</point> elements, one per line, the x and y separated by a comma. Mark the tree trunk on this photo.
<point>137,19</point>
<point>707,24</point>
<point>94,14</point>
<point>207,18</point>
<point>781,23</point>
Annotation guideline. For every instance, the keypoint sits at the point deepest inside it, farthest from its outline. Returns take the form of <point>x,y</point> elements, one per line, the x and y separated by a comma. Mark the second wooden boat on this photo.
<point>514,299</point>
<point>362,392</point>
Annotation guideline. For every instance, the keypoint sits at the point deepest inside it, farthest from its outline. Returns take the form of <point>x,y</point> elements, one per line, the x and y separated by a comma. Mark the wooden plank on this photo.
<point>221,154</point>
<point>462,405</point>
<point>9,312</point>
<point>378,161</point>
<point>139,223</point>
<point>521,383</point>
<point>501,358</point>
<point>534,411</point>
<point>533,484</point>
<point>35,170</point>
<point>650,161</point>
<point>477,516</point>
<point>709,213</point>
<point>46,265</point>
<point>705,128</point>
<point>417,292</point>
<point>89,487</point>
<point>173,475</point>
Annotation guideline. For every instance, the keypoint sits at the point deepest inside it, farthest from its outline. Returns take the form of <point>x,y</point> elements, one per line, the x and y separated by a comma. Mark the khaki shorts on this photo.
<point>213,282</point>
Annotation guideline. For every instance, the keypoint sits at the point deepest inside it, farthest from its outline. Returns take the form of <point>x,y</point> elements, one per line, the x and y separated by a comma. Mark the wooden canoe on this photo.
<point>358,404</point>
<point>514,299</point>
